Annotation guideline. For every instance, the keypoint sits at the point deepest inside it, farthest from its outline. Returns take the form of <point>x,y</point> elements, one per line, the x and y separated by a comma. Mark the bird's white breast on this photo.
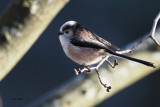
<point>71,51</point>
<point>64,42</point>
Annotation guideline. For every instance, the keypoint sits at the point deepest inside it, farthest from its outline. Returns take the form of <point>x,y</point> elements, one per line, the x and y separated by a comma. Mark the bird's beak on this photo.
<point>60,33</point>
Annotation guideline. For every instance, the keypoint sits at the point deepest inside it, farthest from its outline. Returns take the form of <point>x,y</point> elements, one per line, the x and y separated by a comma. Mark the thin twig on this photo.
<point>115,63</point>
<point>100,80</point>
<point>152,34</point>
<point>86,69</point>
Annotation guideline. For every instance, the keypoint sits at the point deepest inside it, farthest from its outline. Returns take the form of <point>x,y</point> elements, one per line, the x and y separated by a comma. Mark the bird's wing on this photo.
<point>87,38</point>
<point>89,43</point>
<point>105,42</point>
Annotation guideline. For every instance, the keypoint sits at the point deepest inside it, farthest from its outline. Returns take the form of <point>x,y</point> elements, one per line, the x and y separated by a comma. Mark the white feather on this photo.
<point>71,23</point>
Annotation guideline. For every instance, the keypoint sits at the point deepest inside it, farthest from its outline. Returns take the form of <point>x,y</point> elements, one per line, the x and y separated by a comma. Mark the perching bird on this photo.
<point>86,48</point>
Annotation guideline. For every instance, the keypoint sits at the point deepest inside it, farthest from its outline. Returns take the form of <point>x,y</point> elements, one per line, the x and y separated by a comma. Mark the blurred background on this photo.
<point>45,64</point>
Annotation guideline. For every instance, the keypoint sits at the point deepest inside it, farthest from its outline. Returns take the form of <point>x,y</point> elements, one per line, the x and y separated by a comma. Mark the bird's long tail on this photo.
<point>132,59</point>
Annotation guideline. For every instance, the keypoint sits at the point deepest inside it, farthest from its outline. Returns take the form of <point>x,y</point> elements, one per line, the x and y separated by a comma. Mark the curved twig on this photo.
<point>152,34</point>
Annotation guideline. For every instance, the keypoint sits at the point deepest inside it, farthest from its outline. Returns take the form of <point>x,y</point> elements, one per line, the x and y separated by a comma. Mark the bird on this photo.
<point>84,47</point>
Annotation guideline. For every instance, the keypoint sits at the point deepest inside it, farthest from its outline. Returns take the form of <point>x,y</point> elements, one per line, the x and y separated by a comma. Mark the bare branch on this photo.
<point>152,35</point>
<point>103,84</point>
<point>115,63</point>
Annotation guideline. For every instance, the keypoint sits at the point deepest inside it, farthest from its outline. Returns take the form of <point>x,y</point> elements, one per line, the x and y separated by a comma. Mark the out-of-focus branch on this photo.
<point>21,25</point>
<point>85,89</point>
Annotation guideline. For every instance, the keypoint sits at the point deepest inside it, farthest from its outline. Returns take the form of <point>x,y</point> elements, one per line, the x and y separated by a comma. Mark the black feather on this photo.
<point>136,60</point>
<point>82,43</point>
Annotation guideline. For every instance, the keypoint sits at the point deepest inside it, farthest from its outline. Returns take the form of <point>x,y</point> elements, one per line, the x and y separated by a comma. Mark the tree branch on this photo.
<point>85,89</point>
<point>21,25</point>
<point>152,36</point>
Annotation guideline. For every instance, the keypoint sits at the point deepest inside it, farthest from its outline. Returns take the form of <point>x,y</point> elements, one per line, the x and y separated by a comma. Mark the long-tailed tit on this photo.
<point>86,48</point>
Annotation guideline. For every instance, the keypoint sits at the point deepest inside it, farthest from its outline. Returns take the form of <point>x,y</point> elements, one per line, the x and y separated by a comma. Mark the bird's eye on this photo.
<point>66,31</point>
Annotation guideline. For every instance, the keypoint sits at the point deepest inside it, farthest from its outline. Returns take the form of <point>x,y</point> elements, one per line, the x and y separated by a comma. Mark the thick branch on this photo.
<point>21,25</point>
<point>86,91</point>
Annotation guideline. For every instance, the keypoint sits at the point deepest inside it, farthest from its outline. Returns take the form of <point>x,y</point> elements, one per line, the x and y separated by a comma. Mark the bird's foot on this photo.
<point>88,69</point>
<point>78,70</point>
<point>115,63</point>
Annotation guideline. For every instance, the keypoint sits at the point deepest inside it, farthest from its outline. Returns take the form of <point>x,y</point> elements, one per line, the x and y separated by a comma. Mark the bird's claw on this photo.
<point>77,71</point>
<point>115,63</point>
<point>88,69</point>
